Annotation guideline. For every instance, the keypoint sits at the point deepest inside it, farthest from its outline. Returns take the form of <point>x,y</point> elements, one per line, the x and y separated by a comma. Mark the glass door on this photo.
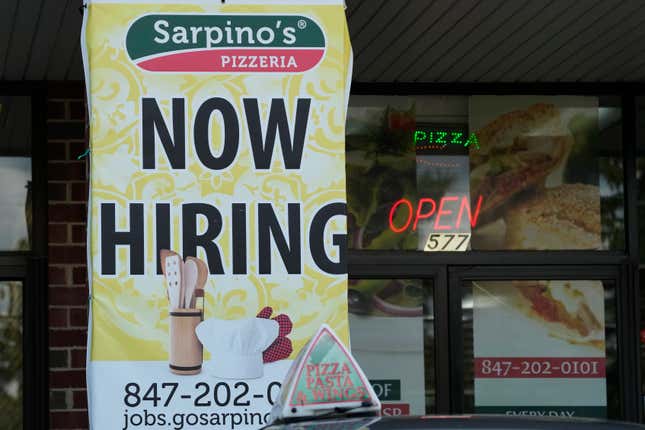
<point>11,354</point>
<point>392,335</point>
<point>536,341</point>
<point>23,258</point>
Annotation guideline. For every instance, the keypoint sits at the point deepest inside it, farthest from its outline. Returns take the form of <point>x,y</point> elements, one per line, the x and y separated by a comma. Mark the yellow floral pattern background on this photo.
<point>130,313</point>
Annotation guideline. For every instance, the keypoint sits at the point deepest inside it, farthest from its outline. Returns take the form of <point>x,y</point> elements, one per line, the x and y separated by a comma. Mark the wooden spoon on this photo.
<point>190,281</point>
<point>202,277</point>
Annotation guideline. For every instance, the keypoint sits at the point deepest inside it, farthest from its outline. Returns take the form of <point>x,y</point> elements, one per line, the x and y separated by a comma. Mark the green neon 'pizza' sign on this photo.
<point>444,137</point>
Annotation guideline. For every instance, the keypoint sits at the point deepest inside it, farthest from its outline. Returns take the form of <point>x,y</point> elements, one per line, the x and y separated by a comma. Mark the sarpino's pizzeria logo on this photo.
<point>225,43</point>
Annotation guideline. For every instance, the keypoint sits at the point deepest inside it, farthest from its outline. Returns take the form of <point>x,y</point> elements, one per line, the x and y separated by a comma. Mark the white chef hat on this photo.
<point>236,346</point>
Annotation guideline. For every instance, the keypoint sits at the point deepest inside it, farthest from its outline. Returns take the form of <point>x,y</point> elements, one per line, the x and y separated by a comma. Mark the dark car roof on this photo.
<point>499,422</point>
<point>457,422</point>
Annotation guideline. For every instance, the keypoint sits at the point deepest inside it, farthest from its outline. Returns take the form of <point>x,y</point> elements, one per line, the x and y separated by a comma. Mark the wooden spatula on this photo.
<point>163,254</point>
<point>173,271</point>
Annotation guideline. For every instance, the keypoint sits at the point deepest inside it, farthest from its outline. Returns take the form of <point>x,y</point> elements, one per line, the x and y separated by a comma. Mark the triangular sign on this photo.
<point>325,377</point>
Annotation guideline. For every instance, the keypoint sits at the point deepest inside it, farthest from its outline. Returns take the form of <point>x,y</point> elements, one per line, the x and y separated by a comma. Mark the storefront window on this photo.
<point>391,324</point>
<point>540,348</point>
<point>15,173</point>
<point>10,354</point>
<point>458,173</point>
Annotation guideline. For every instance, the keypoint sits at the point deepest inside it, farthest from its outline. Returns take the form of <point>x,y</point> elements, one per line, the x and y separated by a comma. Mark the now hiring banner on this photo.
<point>217,228</point>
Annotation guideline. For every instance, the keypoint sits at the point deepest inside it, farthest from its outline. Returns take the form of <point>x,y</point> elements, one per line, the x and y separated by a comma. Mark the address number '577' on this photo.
<point>447,242</point>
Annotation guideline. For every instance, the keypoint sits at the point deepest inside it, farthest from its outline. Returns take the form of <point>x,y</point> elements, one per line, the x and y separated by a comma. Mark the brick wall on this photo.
<point>68,293</point>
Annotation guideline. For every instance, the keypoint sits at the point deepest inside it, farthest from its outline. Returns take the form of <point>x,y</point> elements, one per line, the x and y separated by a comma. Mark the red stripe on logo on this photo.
<point>539,367</point>
<point>236,60</point>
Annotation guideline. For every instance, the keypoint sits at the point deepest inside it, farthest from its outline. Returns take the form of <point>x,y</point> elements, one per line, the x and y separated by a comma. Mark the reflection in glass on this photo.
<point>392,336</point>
<point>550,171</point>
<point>541,346</point>
<point>380,164</point>
<point>507,172</point>
<point>15,203</point>
<point>610,169</point>
<point>15,173</point>
<point>11,355</point>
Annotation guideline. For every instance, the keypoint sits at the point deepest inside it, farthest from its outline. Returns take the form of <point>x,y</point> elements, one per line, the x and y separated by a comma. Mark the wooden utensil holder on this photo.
<point>186,351</point>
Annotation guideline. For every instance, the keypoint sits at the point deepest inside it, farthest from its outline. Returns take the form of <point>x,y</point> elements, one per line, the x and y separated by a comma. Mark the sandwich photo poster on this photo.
<point>217,216</point>
<point>535,172</point>
<point>539,348</point>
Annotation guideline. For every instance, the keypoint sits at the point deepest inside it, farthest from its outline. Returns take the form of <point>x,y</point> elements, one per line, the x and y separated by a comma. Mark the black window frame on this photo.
<point>405,264</point>
<point>31,267</point>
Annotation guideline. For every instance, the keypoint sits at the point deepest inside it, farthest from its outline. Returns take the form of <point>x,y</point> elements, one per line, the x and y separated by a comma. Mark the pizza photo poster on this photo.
<point>539,348</point>
<point>217,216</point>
